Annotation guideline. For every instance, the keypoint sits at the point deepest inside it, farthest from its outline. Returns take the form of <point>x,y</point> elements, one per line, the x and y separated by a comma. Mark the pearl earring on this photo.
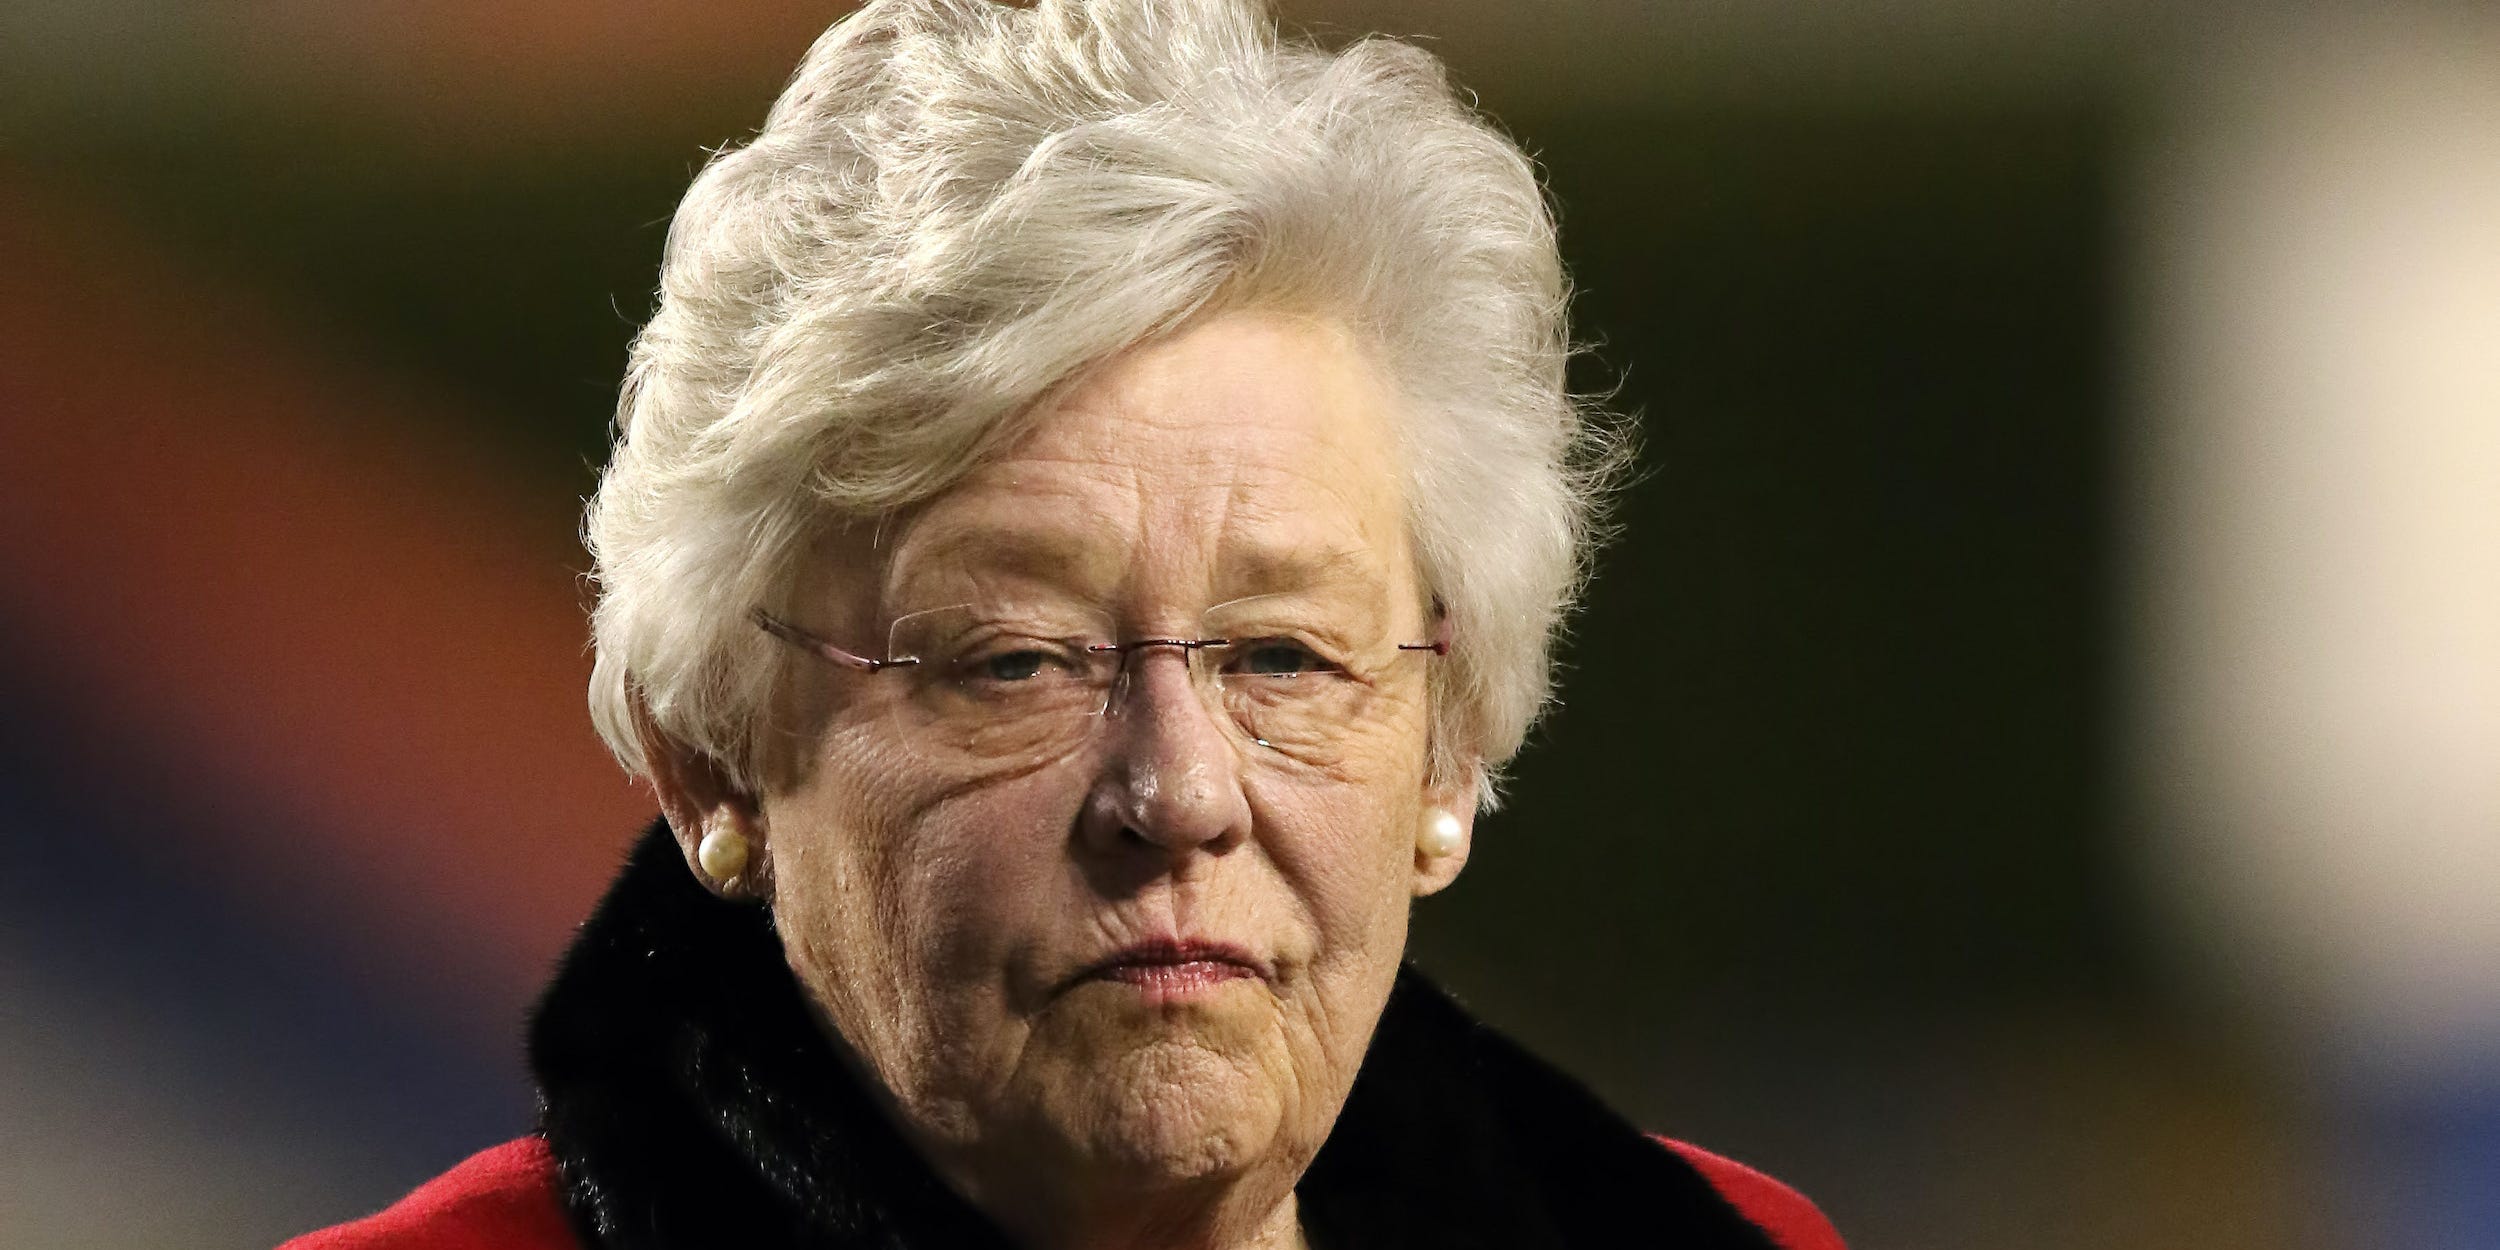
<point>723,854</point>
<point>1442,835</point>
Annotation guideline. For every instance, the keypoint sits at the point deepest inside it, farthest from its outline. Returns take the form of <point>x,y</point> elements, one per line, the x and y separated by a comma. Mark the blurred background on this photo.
<point>2029,775</point>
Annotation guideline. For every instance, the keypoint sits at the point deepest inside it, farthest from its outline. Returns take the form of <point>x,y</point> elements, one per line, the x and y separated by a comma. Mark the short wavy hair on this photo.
<point>956,205</point>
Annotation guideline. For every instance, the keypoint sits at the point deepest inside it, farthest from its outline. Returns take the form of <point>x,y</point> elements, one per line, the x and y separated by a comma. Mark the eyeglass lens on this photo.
<point>1014,686</point>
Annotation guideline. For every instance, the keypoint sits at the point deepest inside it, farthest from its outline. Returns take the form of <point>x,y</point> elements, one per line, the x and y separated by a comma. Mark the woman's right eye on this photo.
<point>1011,666</point>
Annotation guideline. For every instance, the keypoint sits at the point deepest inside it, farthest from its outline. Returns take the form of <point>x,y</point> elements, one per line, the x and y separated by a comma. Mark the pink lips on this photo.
<point>1171,970</point>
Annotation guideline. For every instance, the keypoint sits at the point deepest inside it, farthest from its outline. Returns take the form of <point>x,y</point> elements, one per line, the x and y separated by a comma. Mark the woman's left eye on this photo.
<point>1279,657</point>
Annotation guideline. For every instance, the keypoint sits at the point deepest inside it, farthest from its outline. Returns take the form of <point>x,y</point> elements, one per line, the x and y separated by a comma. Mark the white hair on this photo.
<point>956,205</point>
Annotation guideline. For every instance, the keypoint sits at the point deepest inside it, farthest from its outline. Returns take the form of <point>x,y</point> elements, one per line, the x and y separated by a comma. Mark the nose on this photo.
<point>1173,778</point>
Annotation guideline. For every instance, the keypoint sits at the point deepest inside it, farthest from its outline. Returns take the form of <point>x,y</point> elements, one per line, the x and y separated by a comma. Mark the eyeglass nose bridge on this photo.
<point>1115,692</point>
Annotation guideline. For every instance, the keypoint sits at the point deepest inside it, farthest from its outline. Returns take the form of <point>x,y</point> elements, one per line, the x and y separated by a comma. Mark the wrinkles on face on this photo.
<point>942,921</point>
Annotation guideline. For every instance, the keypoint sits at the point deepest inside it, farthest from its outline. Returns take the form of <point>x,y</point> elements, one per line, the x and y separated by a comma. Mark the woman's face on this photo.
<point>1142,950</point>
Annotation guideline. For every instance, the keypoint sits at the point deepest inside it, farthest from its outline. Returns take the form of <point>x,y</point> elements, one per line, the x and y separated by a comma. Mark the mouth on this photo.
<point>1171,970</point>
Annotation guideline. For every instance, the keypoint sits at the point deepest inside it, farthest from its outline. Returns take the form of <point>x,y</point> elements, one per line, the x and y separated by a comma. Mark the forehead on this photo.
<point>1250,454</point>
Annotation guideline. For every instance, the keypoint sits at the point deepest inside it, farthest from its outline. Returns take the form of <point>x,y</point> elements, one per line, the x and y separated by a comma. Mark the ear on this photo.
<point>698,797</point>
<point>1433,873</point>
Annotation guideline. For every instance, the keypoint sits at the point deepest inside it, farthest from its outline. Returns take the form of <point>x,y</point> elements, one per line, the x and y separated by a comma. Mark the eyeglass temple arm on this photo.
<point>816,646</point>
<point>1440,644</point>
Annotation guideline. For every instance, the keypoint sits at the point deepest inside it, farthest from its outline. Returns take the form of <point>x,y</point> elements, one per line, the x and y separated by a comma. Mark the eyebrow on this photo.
<point>1277,570</point>
<point>1063,558</point>
<point>1047,554</point>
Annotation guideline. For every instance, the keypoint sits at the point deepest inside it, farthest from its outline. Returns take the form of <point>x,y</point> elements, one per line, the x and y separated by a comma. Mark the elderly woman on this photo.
<point>1088,521</point>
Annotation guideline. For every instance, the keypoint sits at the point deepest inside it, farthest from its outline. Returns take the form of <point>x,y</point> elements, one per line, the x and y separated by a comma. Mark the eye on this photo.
<point>1278,657</point>
<point>1010,666</point>
<point>1001,661</point>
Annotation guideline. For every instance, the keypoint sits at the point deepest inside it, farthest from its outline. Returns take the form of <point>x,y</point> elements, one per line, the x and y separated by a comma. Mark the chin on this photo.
<point>1174,1113</point>
<point>1167,1098</point>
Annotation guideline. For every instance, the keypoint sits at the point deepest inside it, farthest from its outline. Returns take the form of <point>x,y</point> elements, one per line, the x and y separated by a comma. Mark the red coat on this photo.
<point>505,1199</point>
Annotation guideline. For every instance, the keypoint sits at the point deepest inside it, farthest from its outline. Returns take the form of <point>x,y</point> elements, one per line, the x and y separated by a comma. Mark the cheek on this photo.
<point>906,900</point>
<point>1348,854</point>
<point>983,871</point>
<point>1366,820</point>
<point>1345,836</point>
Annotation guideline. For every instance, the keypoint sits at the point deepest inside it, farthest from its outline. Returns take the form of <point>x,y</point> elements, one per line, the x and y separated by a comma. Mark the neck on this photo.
<point>1050,1209</point>
<point>1163,1226</point>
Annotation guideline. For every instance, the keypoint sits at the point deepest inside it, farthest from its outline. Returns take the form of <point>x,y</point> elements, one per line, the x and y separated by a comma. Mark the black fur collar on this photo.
<point>692,1103</point>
